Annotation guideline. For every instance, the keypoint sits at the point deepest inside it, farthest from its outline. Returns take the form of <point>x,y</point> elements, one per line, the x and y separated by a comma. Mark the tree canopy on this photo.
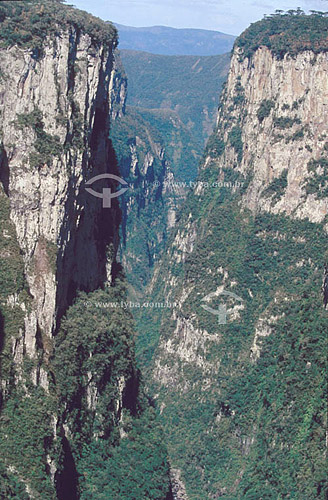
<point>286,32</point>
<point>28,23</point>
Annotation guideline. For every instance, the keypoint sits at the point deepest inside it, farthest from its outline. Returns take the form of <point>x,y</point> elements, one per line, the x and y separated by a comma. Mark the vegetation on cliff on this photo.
<point>115,445</point>
<point>290,32</point>
<point>29,22</point>
<point>137,142</point>
<point>244,403</point>
<point>116,440</point>
<point>172,105</point>
<point>252,426</point>
<point>260,419</point>
<point>47,147</point>
<point>25,421</point>
<point>71,400</point>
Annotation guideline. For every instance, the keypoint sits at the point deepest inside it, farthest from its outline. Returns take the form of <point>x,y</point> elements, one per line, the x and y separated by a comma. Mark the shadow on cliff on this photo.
<point>4,170</point>
<point>2,341</point>
<point>66,479</point>
<point>169,496</point>
<point>89,241</point>
<point>90,235</point>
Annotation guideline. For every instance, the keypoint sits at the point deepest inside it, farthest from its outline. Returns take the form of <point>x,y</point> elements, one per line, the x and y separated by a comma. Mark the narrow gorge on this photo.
<point>221,393</point>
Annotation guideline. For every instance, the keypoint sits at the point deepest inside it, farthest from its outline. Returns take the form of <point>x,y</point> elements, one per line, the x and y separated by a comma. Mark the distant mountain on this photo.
<point>172,41</point>
<point>188,85</point>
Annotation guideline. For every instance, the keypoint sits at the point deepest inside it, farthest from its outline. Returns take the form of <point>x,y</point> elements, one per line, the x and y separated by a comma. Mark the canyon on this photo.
<point>222,393</point>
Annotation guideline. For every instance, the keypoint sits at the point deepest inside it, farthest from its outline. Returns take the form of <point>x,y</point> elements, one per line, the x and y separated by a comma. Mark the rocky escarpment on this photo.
<point>236,366</point>
<point>60,104</point>
<point>277,124</point>
<point>54,137</point>
<point>68,374</point>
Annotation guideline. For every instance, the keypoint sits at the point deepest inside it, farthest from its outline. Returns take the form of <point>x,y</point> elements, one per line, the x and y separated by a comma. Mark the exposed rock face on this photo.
<point>178,488</point>
<point>271,137</point>
<point>72,86</point>
<point>292,95</point>
<point>55,119</point>
<point>297,92</point>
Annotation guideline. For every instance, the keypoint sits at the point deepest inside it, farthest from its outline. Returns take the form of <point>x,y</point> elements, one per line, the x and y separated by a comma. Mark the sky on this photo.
<point>227,16</point>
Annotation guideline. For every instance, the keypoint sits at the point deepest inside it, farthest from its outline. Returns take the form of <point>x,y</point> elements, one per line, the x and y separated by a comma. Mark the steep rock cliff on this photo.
<point>275,112</point>
<point>54,130</point>
<point>69,385</point>
<point>236,363</point>
<point>41,102</point>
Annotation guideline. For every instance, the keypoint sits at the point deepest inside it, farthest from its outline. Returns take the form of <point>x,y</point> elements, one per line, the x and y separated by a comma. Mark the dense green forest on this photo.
<point>119,451</point>
<point>277,401</point>
<point>114,453</point>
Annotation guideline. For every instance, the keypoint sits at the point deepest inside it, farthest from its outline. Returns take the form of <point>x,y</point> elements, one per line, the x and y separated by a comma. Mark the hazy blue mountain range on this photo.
<point>172,41</point>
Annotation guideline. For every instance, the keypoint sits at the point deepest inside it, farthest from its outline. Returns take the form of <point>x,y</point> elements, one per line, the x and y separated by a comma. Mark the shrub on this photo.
<point>284,122</point>
<point>239,98</point>
<point>298,135</point>
<point>277,187</point>
<point>265,109</point>
<point>297,103</point>
<point>236,141</point>
<point>28,23</point>
<point>317,183</point>
<point>215,145</point>
<point>46,145</point>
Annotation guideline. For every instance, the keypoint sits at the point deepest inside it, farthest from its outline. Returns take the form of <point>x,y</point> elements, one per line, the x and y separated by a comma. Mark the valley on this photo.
<point>172,344</point>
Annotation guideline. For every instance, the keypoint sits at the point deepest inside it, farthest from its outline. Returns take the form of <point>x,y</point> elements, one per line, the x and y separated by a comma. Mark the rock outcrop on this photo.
<point>279,106</point>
